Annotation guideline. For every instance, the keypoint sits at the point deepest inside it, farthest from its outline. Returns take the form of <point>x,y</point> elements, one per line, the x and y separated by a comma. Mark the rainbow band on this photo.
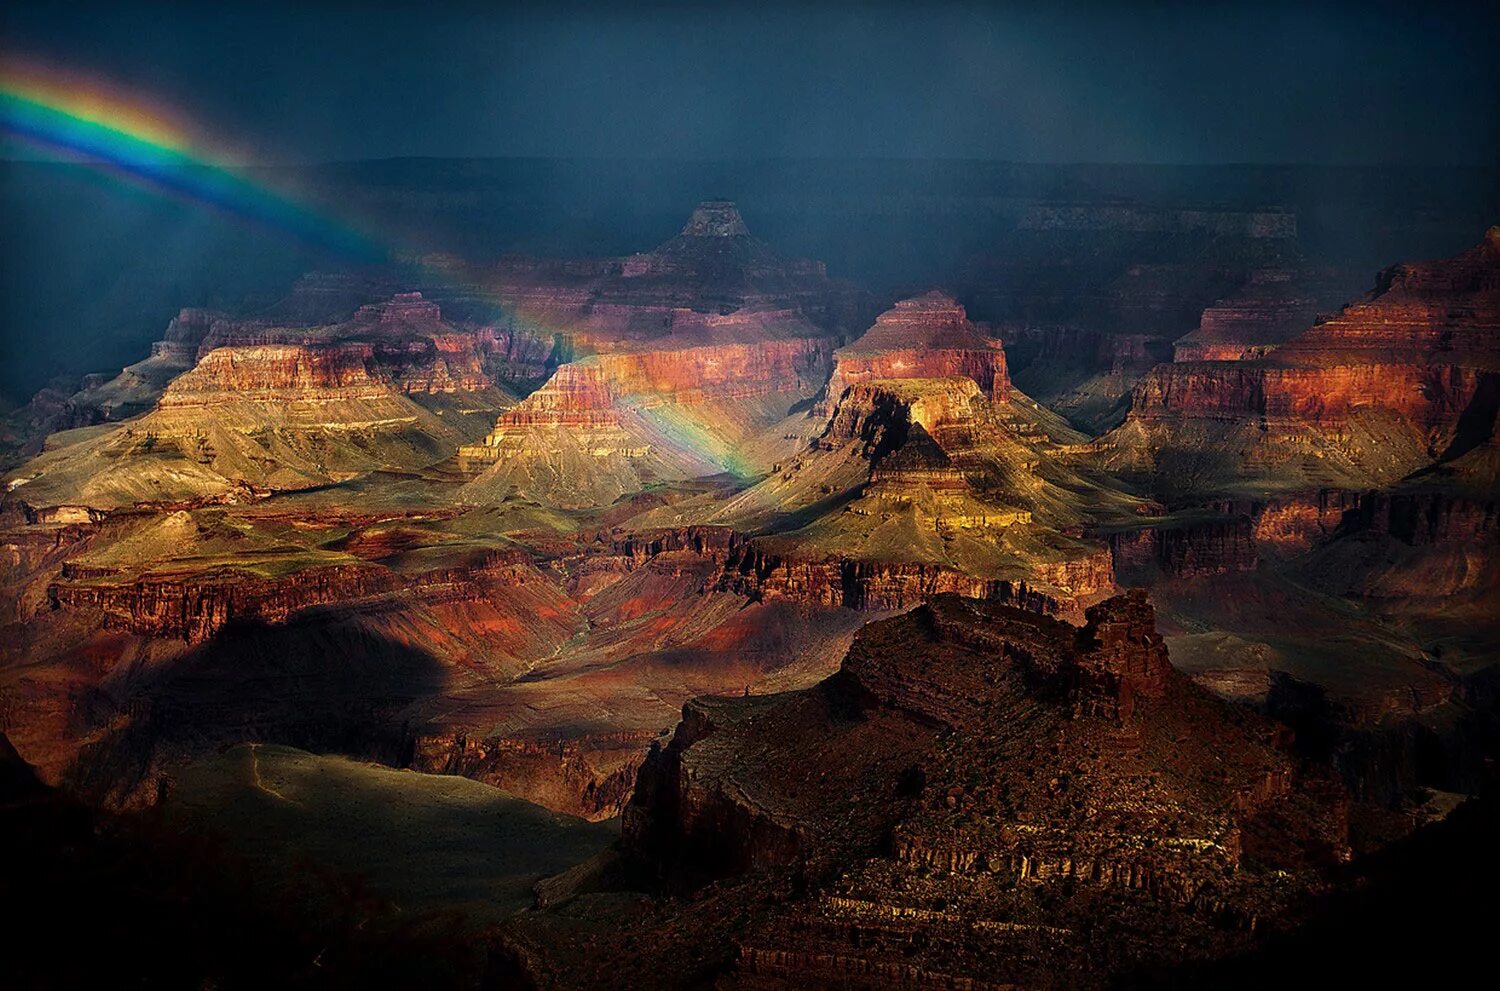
<point>140,146</point>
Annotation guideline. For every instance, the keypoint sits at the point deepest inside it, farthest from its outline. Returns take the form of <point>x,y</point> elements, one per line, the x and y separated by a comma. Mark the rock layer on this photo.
<point>1403,380</point>
<point>927,336</point>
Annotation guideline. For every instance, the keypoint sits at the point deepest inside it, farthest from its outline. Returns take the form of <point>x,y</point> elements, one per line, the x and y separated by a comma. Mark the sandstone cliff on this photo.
<point>928,336</point>
<point>1401,381</point>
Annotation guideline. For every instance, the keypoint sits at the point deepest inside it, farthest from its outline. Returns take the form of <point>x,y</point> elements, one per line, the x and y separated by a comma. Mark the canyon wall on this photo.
<point>927,336</point>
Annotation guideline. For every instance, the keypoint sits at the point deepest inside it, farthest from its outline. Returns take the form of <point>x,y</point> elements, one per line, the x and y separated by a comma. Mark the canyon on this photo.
<point>829,601</point>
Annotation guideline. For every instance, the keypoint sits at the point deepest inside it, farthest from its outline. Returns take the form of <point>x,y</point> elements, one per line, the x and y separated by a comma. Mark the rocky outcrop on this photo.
<point>879,413</point>
<point>569,444</point>
<point>578,394</point>
<point>1274,306</point>
<point>985,772</point>
<point>1184,550</point>
<point>407,343</point>
<point>1230,535</point>
<point>195,607</point>
<point>689,376</point>
<point>1426,518</point>
<point>1429,397</point>
<point>623,418</point>
<point>591,776</point>
<point>271,371</point>
<point>868,584</point>
<point>927,336</point>
<point>746,568</point>
<point>268,409</point>
<point>1400,381</point>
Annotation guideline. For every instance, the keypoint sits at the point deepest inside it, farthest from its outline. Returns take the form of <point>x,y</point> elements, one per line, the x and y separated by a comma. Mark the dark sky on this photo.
<point>1164,82</point>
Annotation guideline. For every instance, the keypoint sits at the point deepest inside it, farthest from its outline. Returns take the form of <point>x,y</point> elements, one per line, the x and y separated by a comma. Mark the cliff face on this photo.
<point>1429,397</point>
<point>265,408</point>
<point>577,394</point>
<point>1274,306</point>
<point>623,418</point>
<point>1184,551</point>
<point>1233,535</point>
<point>744,567</point>
<point>927,336</point>
<point>879,413</point>
<point>194,607</point>
<point>286,370</point>
<point>690,376</point>
<point>408,343</point>
<point>917,484</point>
<point>1000,766</point>
<point>1397,382</point>
<point>689,350</point>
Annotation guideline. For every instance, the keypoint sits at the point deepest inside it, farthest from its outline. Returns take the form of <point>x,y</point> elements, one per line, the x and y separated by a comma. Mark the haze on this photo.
<point>1173,82</point>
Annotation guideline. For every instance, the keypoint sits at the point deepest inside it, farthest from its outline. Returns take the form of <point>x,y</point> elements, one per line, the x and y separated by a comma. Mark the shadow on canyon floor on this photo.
<point>171,907</point>
<point>324,682</point>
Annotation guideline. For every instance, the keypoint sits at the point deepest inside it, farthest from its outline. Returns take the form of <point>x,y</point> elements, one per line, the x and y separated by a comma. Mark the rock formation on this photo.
<point>928,336</point>
<point>983,798</point>
<point>263,408</point>
<point>1274,306</point>
<point>1401,381</point>
<point>713,268</point>
<point>686,351</point>
<point>920,458</point>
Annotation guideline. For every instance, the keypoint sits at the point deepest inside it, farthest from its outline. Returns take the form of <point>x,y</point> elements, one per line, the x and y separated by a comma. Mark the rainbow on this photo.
<point>110,130</point>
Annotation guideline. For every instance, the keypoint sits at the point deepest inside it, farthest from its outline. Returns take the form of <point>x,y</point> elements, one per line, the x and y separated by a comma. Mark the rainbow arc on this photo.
<point>108,129</point>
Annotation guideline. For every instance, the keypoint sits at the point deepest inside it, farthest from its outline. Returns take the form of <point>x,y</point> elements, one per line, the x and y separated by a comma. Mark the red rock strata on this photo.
<point>194,607</point>
<point>1408,376</point>
<point>1274,306</point>
<point>577,395</point>
<point>928,336</point>
<point>726,371</point>
<point>407,342</point>
<point>336,371</point>
<point>746,568</point>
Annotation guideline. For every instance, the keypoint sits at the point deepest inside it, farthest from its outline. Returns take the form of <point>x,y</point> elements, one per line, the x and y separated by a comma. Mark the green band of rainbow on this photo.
<point>152,156</point>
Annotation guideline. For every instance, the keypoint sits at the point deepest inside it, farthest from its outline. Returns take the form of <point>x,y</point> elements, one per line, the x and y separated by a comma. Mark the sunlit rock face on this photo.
<point>639,415</point>
<point>1403,379</point>
<point>683,354</point>
<point>292,371</point>
<point>928,336</point>
<point>246,408</point>
<point>919,471</point>
<point>1275,305</point>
